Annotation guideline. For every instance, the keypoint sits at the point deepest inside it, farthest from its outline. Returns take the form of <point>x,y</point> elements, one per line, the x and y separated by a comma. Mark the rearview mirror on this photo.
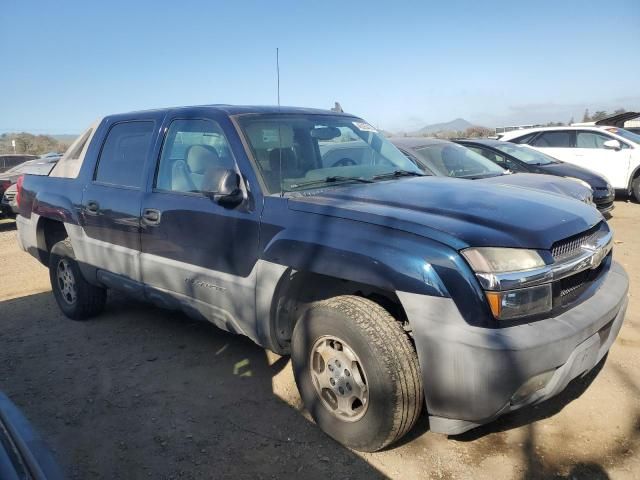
<point>325,133</point>
<point>226,186</point>
<point>612,144</point>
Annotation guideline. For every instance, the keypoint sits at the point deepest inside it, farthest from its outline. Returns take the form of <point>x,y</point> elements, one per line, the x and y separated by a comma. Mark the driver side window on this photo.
<point>194,155</point>
<point>591,140</point>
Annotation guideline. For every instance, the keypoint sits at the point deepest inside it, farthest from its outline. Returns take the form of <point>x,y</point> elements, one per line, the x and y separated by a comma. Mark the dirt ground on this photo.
<point>144,393</point>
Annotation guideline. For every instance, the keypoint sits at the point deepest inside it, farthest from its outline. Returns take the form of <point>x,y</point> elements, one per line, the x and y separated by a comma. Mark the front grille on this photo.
<point>9,196</point>
<point>570,288</point>
<point>572,246</point>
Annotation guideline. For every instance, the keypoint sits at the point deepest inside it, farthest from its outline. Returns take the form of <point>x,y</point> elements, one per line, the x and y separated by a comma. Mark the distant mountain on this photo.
<point>457,125</point>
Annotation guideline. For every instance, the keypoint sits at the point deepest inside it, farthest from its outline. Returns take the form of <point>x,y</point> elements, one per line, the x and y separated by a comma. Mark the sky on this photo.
<point>400,65</point>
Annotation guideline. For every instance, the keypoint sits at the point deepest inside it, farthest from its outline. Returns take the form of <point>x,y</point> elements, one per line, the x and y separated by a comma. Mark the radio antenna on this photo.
<point>279,126</point>
<point>278,74</point>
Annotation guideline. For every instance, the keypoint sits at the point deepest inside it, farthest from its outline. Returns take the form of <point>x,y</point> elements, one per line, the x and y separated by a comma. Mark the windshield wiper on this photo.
<point>399,173</point>
<point>332,179</point>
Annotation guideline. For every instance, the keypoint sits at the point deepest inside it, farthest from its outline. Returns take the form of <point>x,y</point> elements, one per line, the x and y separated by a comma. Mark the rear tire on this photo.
<point>382,389</point>
<point>635,188</point>
<point>77,298</point>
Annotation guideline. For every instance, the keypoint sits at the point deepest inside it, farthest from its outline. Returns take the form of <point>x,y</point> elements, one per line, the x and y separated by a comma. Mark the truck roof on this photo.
<point>247,109</point>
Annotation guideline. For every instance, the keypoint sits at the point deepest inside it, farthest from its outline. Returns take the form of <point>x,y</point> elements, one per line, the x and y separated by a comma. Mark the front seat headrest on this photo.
<point>199,158</point>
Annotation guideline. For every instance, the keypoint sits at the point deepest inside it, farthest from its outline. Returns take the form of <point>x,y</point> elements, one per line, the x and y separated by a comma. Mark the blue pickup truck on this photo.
<point>392,291</point>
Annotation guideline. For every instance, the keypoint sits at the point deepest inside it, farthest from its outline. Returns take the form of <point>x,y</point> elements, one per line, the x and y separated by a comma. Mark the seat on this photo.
<point>199,159</point>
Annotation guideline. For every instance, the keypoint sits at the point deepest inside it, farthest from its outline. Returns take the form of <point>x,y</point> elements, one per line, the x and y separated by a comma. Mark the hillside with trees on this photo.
<point>33,144</point>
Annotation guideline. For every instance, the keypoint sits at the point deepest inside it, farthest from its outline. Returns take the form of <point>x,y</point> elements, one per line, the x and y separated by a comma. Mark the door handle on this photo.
<point>93,206</point>
<point>151,216</point>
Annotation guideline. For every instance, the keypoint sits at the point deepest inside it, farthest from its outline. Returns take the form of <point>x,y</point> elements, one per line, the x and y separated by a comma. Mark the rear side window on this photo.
<point>123,154</point>
<point>559,139</point>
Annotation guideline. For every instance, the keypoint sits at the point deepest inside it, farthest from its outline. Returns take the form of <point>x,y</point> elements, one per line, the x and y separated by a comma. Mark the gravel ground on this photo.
<point>144,393</point>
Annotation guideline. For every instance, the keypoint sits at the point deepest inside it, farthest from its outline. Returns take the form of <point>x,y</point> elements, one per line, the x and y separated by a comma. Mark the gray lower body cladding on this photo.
<point>471,374</point>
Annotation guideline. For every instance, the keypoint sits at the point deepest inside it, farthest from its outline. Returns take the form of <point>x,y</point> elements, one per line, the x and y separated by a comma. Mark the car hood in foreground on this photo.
<point>544,183</point>
<point>23,454</point>
<point>459,213</point>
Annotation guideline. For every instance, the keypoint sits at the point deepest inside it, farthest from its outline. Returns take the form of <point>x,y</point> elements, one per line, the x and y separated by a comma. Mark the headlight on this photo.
<point>500,260</point>
<point>581,182</point>
<point>512,304</point>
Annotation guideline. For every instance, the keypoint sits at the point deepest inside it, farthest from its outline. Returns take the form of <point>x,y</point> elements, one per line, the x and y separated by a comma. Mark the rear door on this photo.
<point>557,143</point>
<point>613,164</point>
<point>109,237</point>
<point>195,250</point>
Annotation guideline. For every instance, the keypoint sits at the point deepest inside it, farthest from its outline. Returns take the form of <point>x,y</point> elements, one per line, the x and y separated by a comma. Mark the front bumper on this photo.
<point>471,374</point>
<point>604,201</point>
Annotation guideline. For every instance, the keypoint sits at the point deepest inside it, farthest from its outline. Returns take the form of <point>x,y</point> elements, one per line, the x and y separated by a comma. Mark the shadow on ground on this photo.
<point>7,225</point>
<point>141,392</point>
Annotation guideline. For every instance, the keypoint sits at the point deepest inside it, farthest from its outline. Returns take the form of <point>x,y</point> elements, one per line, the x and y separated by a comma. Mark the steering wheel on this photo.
<point>344,162</point>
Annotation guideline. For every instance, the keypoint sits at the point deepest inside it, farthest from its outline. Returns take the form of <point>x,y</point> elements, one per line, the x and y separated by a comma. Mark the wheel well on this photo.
<point>293,296</point>
<point>49,233</point>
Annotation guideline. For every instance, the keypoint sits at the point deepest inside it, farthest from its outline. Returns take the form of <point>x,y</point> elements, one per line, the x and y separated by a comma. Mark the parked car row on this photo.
<point>393,281</point>
<point>444,158</point>
<point>520,158</point>
<point>609,151</point>
<point>8,191</point>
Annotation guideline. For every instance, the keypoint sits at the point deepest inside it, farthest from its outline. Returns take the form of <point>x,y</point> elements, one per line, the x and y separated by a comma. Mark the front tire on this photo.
<point>357,372</point>
<point>635,188</point>
<point>77,298</point>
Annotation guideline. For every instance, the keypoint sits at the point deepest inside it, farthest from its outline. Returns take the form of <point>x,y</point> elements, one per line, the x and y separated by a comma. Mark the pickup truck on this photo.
<point>391,290</point>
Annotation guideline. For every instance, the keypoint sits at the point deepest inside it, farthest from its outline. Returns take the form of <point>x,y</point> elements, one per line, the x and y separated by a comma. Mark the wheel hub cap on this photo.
<point>66,281</point>
<point>339,378</point>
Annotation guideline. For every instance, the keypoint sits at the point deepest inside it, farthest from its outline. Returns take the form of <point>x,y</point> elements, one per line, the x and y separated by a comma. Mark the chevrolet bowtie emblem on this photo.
<point>597,256</point>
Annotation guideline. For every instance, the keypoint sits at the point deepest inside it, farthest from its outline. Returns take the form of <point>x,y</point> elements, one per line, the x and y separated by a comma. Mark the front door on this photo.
<point>198,251</point>
<point>612,164</point>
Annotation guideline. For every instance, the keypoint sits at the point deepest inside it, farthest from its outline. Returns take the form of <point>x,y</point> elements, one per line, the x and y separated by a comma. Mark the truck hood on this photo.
<point>545,183</point>
<point>459,213</point>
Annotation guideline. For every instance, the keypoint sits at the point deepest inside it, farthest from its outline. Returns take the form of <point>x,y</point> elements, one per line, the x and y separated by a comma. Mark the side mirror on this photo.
<point>225,185</point>
<point>612,145</point>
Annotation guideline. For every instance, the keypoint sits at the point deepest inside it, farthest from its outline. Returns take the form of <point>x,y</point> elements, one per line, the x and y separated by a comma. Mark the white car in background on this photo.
<point>610,151</point>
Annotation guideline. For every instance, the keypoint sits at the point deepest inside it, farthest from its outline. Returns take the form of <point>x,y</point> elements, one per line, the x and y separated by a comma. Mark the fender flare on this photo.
<point>55,207</point>
<point>409,263</point>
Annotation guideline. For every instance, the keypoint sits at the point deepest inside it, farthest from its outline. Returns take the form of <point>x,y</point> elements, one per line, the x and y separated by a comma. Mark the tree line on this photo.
<point>599,115</point>
<point>30,144</point>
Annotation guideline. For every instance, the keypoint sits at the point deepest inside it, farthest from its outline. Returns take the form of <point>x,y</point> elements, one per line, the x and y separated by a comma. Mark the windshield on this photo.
<point>314,150</point>
<point>452,160</point>
<point>525,154</point>
<point>634,137</point>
